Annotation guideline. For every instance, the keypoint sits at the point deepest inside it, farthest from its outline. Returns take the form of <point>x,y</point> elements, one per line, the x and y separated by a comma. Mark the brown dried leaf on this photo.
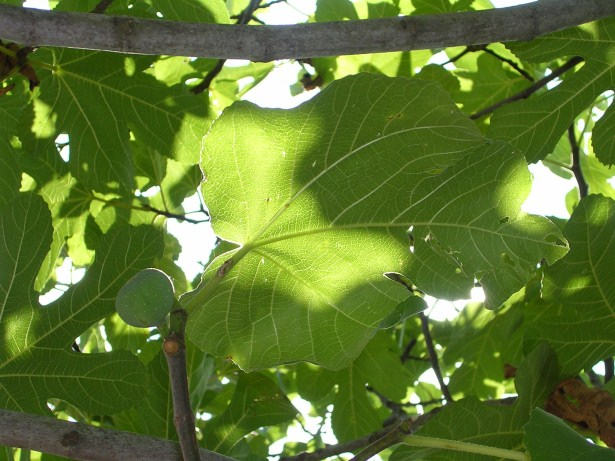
<point>588,407</point>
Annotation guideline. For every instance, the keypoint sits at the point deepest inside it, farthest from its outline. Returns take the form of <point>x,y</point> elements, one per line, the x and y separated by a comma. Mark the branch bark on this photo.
<point>82,442</point>
<point>265,43</point>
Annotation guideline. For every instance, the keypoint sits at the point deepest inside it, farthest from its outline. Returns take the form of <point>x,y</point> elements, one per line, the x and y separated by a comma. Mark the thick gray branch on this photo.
<point>265,43</point>
<point>83,442</point>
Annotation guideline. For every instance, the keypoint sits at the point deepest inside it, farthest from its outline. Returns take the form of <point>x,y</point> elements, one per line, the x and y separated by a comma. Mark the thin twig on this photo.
<point>405,355</point>
<point>244,18</point>
<point>510,62</point>
<point>466,50</point>
<point>609,369</point>
<point>146,207</point>
<point>392,437</point>
<point>529,90</point>
<point>169,214</point>
<point>174,348</point>
<point>271,3</point>
<point>576,162</point>
<point>332,450</point>
<point>433,357</point>
<point>102,6</point>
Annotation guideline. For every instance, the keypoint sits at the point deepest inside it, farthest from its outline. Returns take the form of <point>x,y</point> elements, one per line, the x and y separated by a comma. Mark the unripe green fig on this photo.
<point>146,299</point>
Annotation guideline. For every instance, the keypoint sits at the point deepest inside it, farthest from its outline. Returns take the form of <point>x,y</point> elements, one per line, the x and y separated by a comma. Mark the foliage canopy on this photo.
<point>338,222</point>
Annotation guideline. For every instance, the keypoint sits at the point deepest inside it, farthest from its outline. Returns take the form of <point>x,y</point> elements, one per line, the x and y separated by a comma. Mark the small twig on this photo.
<point>433,357</point>
<point>243,18</point>
<point>333,450</point>
<point>511,63</point>
<point>174,349</point>
<point>102,6</point>
<point>609,369</point>
<point>405,355</point>
<point>169,214</point>
<point>466,50</point>
<point>576,162</point>
<point>390,438</point>
<point>271,3</point>
<point>146,207</point>
<point>529,90</point>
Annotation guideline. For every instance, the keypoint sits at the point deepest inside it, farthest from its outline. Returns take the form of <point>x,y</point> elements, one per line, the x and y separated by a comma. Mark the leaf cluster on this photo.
<point>339,229</point>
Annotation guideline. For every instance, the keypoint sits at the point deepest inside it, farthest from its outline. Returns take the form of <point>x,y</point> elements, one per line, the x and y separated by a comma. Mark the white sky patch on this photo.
<point>505,3</point>
<point>548,195</point>
<point>197,240</point>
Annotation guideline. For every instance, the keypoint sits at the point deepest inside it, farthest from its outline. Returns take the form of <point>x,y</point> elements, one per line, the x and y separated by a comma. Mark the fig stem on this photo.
<point>174,348</point>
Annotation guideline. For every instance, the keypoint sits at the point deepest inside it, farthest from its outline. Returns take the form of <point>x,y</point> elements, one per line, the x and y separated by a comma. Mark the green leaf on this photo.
<point>320,199</point>
<point>36,362</point>
<point>548,438</point>
<point>25,225</point>
<point>89,93</point>
<point>487,82</point>
<point>535,125</point>
<point>327,10</point>
<point>468,420</point>
<point>353,415</point>
<point>536,377</point>
<point>379,366</point>
<point>407,308</point>
<point>213,11</point>
<point>441,6</point>
<point>602,140</point>
<point>578,322</point>
<point>482,344</point>
<point>257,402</point>
<point>10,171</point>
<point>454,245</point>
<point>314,383</point>
<point>153,415</point>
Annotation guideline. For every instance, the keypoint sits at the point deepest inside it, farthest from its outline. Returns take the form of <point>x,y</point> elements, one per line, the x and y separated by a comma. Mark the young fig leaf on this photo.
<point>146,299</point>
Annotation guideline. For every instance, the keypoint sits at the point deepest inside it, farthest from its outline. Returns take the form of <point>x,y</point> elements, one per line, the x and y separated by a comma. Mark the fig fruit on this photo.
<point>146,299</point>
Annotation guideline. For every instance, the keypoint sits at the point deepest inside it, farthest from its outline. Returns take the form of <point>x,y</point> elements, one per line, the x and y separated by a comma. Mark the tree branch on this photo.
<point>266,43</point>
<point>530,90</point>
<point>174,348</point>
<point>82,442</point>
<point>576,162</point>
<point>433,357</point>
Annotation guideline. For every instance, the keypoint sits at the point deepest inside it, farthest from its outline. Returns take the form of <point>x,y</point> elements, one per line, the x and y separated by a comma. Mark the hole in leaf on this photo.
<point>507,259</point>
<point>553,238</point>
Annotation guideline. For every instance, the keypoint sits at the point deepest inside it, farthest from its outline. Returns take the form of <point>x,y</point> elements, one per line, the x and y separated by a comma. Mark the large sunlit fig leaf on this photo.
<point>102,99</point>
<point>320,199</point>
<point>536,124</point>
<point>36,360</point>
<point>467,224</point>
<point>547,438</point>
<point>580,317</point>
